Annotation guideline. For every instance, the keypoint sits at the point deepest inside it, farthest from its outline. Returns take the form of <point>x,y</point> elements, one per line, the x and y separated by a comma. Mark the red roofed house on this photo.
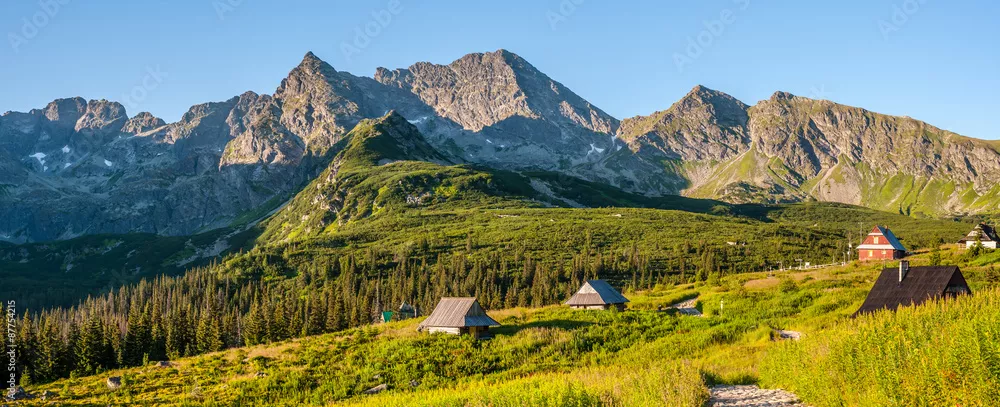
<point>881,244</point>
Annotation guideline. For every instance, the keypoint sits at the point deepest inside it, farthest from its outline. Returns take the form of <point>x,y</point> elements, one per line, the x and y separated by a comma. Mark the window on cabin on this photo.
<point>876,239</point>
<point>871,253</point>
<point>883,252</point>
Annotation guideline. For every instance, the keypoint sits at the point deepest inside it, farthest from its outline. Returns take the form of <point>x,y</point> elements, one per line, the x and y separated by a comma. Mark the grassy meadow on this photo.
<point>944,353</point>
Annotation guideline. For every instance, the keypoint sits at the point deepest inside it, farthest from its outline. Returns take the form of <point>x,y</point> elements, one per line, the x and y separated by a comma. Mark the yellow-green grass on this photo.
<point>943,353</point>
<point>553,356</point>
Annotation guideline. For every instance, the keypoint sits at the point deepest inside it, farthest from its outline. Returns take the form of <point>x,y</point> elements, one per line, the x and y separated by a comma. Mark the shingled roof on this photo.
<point>982,232</point>
<point>891,242</point>
<point>596,292</point>
<point>919,284</point>
<point>458,312</point>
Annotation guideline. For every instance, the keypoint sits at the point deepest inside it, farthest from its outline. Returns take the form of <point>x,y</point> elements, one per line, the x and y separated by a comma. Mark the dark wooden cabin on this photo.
<point>904,286</point>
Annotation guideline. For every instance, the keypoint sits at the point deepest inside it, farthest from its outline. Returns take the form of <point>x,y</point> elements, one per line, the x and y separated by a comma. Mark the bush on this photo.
<point>787,285</point>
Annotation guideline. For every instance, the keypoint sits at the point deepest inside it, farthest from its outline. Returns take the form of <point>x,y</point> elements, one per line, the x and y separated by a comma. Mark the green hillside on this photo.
<point>554,356</point>
<point>389,221</point>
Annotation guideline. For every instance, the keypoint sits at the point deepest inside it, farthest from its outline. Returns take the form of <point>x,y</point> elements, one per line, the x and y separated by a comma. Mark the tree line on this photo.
<point>274,294</point>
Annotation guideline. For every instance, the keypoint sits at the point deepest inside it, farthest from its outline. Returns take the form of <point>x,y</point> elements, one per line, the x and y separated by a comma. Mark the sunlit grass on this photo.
<point>554,356</point>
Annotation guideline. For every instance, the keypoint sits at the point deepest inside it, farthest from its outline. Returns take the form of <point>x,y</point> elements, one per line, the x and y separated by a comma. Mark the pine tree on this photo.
<point>90,348</point>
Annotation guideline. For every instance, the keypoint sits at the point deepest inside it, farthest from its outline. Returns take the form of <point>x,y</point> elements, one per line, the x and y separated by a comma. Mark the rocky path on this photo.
<point>751,396</point>
<point>687,307</point>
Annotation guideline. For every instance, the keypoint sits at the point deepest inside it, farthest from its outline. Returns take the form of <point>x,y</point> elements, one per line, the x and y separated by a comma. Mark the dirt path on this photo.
<point>687,307</point>
<point>751,396</point>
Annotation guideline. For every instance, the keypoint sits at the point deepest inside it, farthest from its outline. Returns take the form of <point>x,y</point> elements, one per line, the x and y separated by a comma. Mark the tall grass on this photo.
<point>673,384</point>
<point>943,353</point>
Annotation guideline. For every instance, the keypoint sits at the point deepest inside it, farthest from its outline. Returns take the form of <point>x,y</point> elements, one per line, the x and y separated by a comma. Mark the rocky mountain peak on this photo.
<point>703,125</point>
<point>311,64</point>
<point>481,90</point>
<point>719,104</point>
<point>387,139</point>
<point>143,122</point>
<point>102,119</point>
<point>781,95</point>
<point>66,111</point>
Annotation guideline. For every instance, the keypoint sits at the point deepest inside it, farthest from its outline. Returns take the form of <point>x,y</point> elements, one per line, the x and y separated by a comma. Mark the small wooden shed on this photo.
<point>457,316</point>
<point>597,294</point>
<point>903,286</point>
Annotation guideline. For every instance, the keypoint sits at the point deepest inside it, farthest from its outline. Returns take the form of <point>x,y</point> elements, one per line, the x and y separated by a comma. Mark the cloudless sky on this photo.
<point>933,60</point>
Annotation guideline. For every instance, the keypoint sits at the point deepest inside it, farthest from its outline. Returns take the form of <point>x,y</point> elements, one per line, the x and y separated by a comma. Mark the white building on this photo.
<point>982,233</point>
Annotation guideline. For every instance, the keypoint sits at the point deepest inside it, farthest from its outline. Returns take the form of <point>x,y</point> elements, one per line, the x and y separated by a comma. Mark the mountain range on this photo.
<point>79,167</point>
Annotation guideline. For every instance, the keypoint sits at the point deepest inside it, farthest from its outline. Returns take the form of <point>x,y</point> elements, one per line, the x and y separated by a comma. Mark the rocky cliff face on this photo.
<point>481,90</point>
<point>84,167</point>
<point>499,110</point>
<point>704,125</point>
<point>789,148</point>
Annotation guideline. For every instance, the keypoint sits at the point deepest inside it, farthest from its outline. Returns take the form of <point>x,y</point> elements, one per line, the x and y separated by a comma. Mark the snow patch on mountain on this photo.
<point>595,149</point>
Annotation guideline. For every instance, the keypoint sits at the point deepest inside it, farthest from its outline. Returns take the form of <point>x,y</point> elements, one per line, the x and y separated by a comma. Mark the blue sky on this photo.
<point>929,59</point>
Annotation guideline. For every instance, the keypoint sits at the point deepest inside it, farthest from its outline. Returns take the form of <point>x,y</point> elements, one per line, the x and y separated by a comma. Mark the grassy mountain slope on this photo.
<point>794,149</point>
<point>380,194</point>
<point>386,168</point>
<point>557,357</point>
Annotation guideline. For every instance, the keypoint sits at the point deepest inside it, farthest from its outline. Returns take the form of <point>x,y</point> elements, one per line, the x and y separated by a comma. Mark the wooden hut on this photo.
<point>457,316</point>
<point>903,286</point>
<point>983,234</point>
<point>405,311</point>
<point>881,244</point>
<point>597,294</point>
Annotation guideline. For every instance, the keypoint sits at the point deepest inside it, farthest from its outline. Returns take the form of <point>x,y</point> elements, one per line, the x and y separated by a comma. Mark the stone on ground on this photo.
<point>687,307</point>
<point>751,396</point>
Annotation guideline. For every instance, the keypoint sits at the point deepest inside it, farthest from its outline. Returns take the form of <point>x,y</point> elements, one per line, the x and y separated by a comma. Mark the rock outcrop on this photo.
<point>790,148</point>
<point>80,167</point>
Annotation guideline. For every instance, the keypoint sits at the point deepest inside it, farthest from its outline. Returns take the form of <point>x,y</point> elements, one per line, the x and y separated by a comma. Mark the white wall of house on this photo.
<point>589,306</point>
<point>988,245</point>
<point>447,330</point>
